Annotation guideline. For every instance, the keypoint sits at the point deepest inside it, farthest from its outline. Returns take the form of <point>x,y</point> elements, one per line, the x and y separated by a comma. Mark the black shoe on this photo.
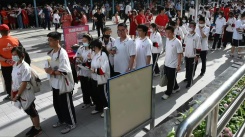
<point>8,98</point>
<point>201,75</point>
<point>188,86</point>
<point>30,131</point>
<point>185,80</point>
<point>35,132</point>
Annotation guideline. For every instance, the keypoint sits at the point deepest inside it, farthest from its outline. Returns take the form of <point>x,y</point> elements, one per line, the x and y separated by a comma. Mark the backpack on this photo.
<point>35,81</point>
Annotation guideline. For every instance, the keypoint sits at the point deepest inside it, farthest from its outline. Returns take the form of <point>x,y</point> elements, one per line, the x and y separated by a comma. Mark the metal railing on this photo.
<point>210,109</point>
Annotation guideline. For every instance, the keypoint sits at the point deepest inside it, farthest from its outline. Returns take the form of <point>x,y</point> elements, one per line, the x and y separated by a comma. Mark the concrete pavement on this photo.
<point>88,125</point>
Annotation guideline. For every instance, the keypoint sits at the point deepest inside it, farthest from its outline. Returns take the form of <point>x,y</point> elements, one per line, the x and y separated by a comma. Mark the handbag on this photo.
<point>66,83</point>
<point>101,79</point>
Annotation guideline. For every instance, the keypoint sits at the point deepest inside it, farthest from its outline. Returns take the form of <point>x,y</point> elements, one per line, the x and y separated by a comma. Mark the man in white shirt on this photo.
<point>127,12</point>
<point>219,27</point>
<point>191,13</point>
<point>121,10</point>
<point>143,47</point>
<point>124,51</point>
<point>203,31</point>
<point>238,36</point>
<point>172,65</point>
<point>192,52</point>
<point>60,65</point>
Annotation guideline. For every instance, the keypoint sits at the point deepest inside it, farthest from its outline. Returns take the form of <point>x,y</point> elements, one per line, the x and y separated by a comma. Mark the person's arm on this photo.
<point>19,12</point>
<point>132,53</point>
<point>179,61</point>
<point>131,63</point>
<point>202,33</point>
<point>148,58</point>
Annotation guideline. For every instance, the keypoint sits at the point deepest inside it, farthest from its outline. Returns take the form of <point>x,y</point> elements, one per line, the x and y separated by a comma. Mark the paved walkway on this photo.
<point>88,125</point>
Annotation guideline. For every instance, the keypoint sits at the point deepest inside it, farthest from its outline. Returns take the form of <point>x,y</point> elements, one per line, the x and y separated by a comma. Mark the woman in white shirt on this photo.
<point>116,19</point>
<point>155,37</point>
<point>22,93</point>
<point>229,29</point>
<point>56,19</point>
<point>83,63</point>
<point>100,70</point>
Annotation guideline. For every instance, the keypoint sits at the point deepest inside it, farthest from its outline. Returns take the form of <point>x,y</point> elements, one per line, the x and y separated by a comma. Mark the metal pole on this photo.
<point>148,3</point>
<point>91,3</point>
<point>65,3</point>
<point>132,3</point>
<point>113,6</point>
<point>161,2</point>
<point>215,118</point>
<point>153,102</point>
<point>181,8</point>
<point>107,122</point>
<point>35,9</point>
<point>196,10</point>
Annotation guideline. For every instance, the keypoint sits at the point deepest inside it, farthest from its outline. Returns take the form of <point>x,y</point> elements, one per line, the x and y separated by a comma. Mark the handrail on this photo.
<point>191,122</point>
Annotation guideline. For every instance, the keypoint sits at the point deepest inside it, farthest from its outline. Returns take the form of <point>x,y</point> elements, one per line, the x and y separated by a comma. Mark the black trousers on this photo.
<point>64,108</point>
<point>99,27</point>
<point>171,76</point>
<point>217,38</point>
<point>189,64</point>
<point>203,56</point>
<point>116,74</point>
<point>126,18</point>
<point>7,71</point>
<point>228,38</point>
<point>47,23</point>
<point>57,25</point>
<point>155,57</point>
<point>99,95</point>
<point>86,89</point>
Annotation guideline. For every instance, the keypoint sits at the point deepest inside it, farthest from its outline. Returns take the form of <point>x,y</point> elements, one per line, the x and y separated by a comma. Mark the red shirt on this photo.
<point>226,13</point>
<point>140,19</point>
<point>222,9</point>
<point>162,20</point>
<point>148,17</point>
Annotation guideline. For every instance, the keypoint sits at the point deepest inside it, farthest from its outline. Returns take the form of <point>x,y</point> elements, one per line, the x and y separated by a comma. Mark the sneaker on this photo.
<point>176,90</point>
<point>8,97</point>
<point>156,74</point>
<point>102,115</point>
<point>84,106</point>
<point>58,124</point>
<point>212,49</point>
<point>94,112</point>
<point>67,129</point>
<point>35,132</point>
<point>165,96</point>
<point>239,57</point>
<point>188,86</point>
<point>92,105</point>
<point>30,131</point>
<point>185,80</point>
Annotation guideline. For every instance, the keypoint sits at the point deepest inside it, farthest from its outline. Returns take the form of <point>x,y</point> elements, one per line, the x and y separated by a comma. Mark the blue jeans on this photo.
<point>19,21</point>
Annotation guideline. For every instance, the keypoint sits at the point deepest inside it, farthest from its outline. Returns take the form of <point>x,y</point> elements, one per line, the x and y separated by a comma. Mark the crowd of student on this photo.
<point>96,60</point>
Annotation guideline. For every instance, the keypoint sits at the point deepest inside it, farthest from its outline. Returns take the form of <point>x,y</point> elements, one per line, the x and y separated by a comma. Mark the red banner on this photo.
<point>73,35</point>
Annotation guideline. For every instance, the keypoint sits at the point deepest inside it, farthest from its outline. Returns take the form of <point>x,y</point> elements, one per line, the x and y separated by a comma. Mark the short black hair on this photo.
<point>172,23</point>
<point>202,19</point>
<point>122,25</point>
<point>143,27</point>
<point>171,28</point>
<point>106,29</point>
<point>88,36</point>
<point>193,23</point>
<point>180,20</point>
<point>55,35</point>
<point>20,51</point>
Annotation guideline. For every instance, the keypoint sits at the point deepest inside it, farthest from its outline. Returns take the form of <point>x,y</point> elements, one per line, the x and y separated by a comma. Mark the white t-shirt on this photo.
<point>143,50</point>
<point>230,22</point>
<point>208,14</point>
<point>20,73</point>
<point>173,48</point>
<point>236,34</point>
<point>125,50</point>
<point>156,37</point>
<point>192,12</point>
<point>82,53</point>
<point>219,23</point>
<point>204,41</point>
<point>60,62</point>
<point>192,42</point>
<point>56,18</point>
<point>128,9</point>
